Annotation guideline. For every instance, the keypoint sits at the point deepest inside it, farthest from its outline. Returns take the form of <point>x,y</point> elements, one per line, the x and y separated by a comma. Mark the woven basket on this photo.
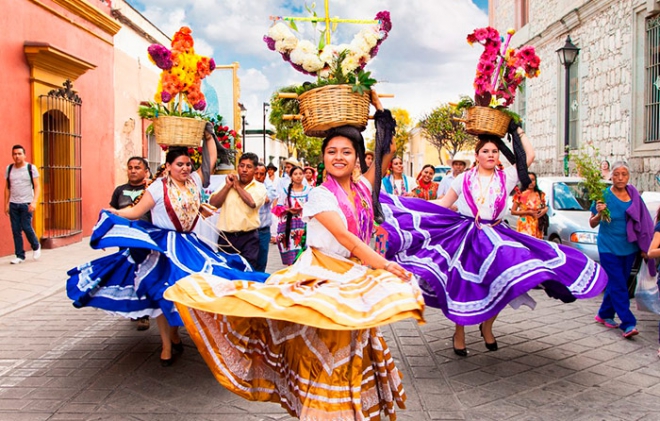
<point>486,120</point>
<point>179,131</point>
<point>333,106</point>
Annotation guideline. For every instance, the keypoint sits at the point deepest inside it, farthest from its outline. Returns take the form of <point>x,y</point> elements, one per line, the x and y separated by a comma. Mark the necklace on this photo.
<point>481,199</point>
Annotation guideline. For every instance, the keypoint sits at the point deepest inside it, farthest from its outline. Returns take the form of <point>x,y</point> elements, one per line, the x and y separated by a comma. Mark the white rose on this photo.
<point>279,31</point>
<point>286,45</point>
<point>328,54</point>
<point>297,56</point>
<point>359,46</point>
<point>308,47</point>
<point>370,37</point>
<point>312,63</point>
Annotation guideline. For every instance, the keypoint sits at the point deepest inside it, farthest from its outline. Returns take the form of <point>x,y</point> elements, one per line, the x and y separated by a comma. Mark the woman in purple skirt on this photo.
<point>469,264</point>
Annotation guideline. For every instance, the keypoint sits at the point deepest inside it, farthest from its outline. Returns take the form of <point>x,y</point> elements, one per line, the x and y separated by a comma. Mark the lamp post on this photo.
<point>266,105</point>
<point>243,114</point>
<point>567,55</point>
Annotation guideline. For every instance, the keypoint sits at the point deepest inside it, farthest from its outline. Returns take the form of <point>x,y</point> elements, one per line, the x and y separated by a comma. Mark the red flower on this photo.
<point>238,145</point>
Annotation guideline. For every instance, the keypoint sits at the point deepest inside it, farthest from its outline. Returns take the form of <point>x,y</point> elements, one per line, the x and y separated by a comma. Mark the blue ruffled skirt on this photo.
<point>132,281</point>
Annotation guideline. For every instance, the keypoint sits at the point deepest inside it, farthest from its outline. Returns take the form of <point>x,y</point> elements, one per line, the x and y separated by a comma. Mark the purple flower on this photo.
<point>161,56</point>
<point>165,96</point>
<point>385,20</point>
<point>199,106</point>
<point>270,42</point>
<point>212,65</point>
<point>374,51</point>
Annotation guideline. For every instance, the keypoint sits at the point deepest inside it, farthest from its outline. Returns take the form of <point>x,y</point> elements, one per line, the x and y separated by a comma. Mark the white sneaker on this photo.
<point>17,261</point>
<point>36,254</point>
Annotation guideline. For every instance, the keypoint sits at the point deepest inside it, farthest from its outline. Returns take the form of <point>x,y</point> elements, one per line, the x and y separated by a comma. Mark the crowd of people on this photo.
<point>308,335</point>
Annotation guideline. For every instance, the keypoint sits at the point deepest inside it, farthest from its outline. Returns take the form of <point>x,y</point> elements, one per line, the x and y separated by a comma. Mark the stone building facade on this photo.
<point>614,88</point>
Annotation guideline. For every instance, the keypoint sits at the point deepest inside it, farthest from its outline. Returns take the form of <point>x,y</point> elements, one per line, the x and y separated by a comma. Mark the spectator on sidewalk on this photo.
<point>128,195</point>
<point>265,218</point>
<point>457,168</point>
<point>239,200</point>
<point>22,191</point>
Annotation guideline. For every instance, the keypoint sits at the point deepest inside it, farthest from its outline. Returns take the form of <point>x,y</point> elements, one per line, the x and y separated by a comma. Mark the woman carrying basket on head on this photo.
<point>308,338</point>
<point>470,265</point>
<point>131,282</point>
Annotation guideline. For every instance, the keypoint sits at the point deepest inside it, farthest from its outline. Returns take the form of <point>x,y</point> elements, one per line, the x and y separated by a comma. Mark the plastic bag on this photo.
<point>647,295</point>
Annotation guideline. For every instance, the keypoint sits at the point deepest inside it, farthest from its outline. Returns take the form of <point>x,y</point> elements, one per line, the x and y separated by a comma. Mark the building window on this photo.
<point>522,13</point>
<point>154,152</point>
<point>520,106</point>
<point>574,105</point>
<point>652,97</point>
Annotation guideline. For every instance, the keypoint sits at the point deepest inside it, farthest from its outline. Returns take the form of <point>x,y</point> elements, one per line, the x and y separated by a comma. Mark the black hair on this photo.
<point>271,165</point>
<point>138,158</point>
<point>250,156</point>
<point>174,153</point>
<point>13,148</point>
<point>427,166</point>
<point>536,184</point>
<point>355,136</point>
<point>289,215</point>
<point>260,164</point>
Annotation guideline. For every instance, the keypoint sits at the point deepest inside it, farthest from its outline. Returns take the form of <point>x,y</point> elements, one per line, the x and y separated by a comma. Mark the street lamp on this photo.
<point>243,114</point>
<point>266,105</point>
<point>567,55</point>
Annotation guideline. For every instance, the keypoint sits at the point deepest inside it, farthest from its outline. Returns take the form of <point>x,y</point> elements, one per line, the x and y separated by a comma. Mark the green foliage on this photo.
<point>467,102</point>
<point>444,131</point>
<point>153,110</point>
<point>588,167</point>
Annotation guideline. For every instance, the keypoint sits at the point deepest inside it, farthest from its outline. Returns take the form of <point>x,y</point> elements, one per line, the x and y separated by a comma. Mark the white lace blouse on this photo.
<point>322,200</point>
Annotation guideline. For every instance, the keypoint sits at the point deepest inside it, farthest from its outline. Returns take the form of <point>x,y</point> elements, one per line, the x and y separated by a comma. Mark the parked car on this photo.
<point>440,172</point>
<point>568,208</point>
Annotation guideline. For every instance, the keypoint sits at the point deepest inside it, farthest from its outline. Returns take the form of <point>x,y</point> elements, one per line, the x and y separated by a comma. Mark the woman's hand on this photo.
<point>600,207</point>
<point>395,269</point>
<point>111,210</point>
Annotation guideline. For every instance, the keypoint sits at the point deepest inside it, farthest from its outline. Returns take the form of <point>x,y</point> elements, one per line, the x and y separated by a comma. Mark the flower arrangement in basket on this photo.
<point>180,79</point>
<point>500,72</point>
<point>228,139</point>
<point>340,95</point>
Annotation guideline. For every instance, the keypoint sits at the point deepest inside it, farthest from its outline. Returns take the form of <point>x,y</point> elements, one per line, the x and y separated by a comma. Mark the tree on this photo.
<point>291,131</point>
<point>402,134</point>
<point>444,131</point>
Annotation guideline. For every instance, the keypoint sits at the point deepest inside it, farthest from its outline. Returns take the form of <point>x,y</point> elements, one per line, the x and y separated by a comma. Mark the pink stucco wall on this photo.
<point>28,22</point>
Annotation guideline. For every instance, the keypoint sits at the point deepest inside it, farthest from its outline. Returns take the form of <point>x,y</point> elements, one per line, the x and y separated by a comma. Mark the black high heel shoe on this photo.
<point>462,352</point>
<point>178,348</point>
<point>491,346</point>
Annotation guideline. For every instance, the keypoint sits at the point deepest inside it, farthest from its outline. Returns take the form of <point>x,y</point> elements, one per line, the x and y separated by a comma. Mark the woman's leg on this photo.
<point>487,330</point>
<point>164,330</point>
<point>618,269</point>
<point>459,337</point>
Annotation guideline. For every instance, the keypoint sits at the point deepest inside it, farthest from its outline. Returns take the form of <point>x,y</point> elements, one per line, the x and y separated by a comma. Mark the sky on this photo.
<point>424,62</point>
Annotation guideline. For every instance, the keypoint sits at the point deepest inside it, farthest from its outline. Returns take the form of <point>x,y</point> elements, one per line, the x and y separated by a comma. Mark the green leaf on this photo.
<point>322,40</point>
<point>293,25</point>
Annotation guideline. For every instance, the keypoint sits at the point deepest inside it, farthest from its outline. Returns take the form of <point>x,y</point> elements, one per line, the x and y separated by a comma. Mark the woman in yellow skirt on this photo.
<point>308,338</point>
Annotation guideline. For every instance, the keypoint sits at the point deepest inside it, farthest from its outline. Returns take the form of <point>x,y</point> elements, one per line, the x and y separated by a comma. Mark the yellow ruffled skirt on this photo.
<point>308,338</point>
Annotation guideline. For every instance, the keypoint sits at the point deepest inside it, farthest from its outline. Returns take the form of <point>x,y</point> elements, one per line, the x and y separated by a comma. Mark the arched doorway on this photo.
<point>61,171</point>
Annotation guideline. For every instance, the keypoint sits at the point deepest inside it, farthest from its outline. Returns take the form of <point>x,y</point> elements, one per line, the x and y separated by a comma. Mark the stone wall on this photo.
<point>604,30</point>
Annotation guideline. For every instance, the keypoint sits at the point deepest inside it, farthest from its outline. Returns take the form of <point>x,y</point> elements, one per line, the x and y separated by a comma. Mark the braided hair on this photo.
<point>289,215</point>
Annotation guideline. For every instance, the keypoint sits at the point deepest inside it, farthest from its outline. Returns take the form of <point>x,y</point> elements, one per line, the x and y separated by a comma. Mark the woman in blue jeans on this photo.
<point>628,233</point>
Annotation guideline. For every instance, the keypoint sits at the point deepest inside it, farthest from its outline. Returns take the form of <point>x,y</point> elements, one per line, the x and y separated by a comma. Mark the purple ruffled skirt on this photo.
<point>472,273</point>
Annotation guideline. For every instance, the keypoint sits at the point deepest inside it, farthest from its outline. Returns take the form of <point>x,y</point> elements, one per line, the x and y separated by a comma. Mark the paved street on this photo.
<point>554,363</point>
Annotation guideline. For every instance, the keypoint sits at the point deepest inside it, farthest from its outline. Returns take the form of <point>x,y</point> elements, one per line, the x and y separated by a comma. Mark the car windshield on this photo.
<point>570,196</point>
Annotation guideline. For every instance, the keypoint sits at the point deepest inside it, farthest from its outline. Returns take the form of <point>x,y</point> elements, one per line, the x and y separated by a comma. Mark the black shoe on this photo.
<point>166,363</point>
<point>178,348</point>
<point>460,352</point>
<point>492,346</point>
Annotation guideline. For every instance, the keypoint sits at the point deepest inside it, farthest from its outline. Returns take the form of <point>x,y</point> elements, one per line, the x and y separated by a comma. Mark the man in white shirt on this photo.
<point>22,191</point>
<point>457,167</point>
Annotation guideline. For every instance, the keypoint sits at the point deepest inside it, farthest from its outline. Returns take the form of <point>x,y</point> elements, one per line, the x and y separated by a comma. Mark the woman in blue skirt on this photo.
<point>151,258</point>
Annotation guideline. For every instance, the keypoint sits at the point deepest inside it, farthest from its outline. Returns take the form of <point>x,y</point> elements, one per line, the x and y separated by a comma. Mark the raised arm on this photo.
<point>333,223</point>
<point>209,143</point>
<point>387,158</point>
<point>527,146</point>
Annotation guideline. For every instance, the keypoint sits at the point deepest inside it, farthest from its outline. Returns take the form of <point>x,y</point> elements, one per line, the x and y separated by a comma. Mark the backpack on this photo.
<point>29,168</point>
